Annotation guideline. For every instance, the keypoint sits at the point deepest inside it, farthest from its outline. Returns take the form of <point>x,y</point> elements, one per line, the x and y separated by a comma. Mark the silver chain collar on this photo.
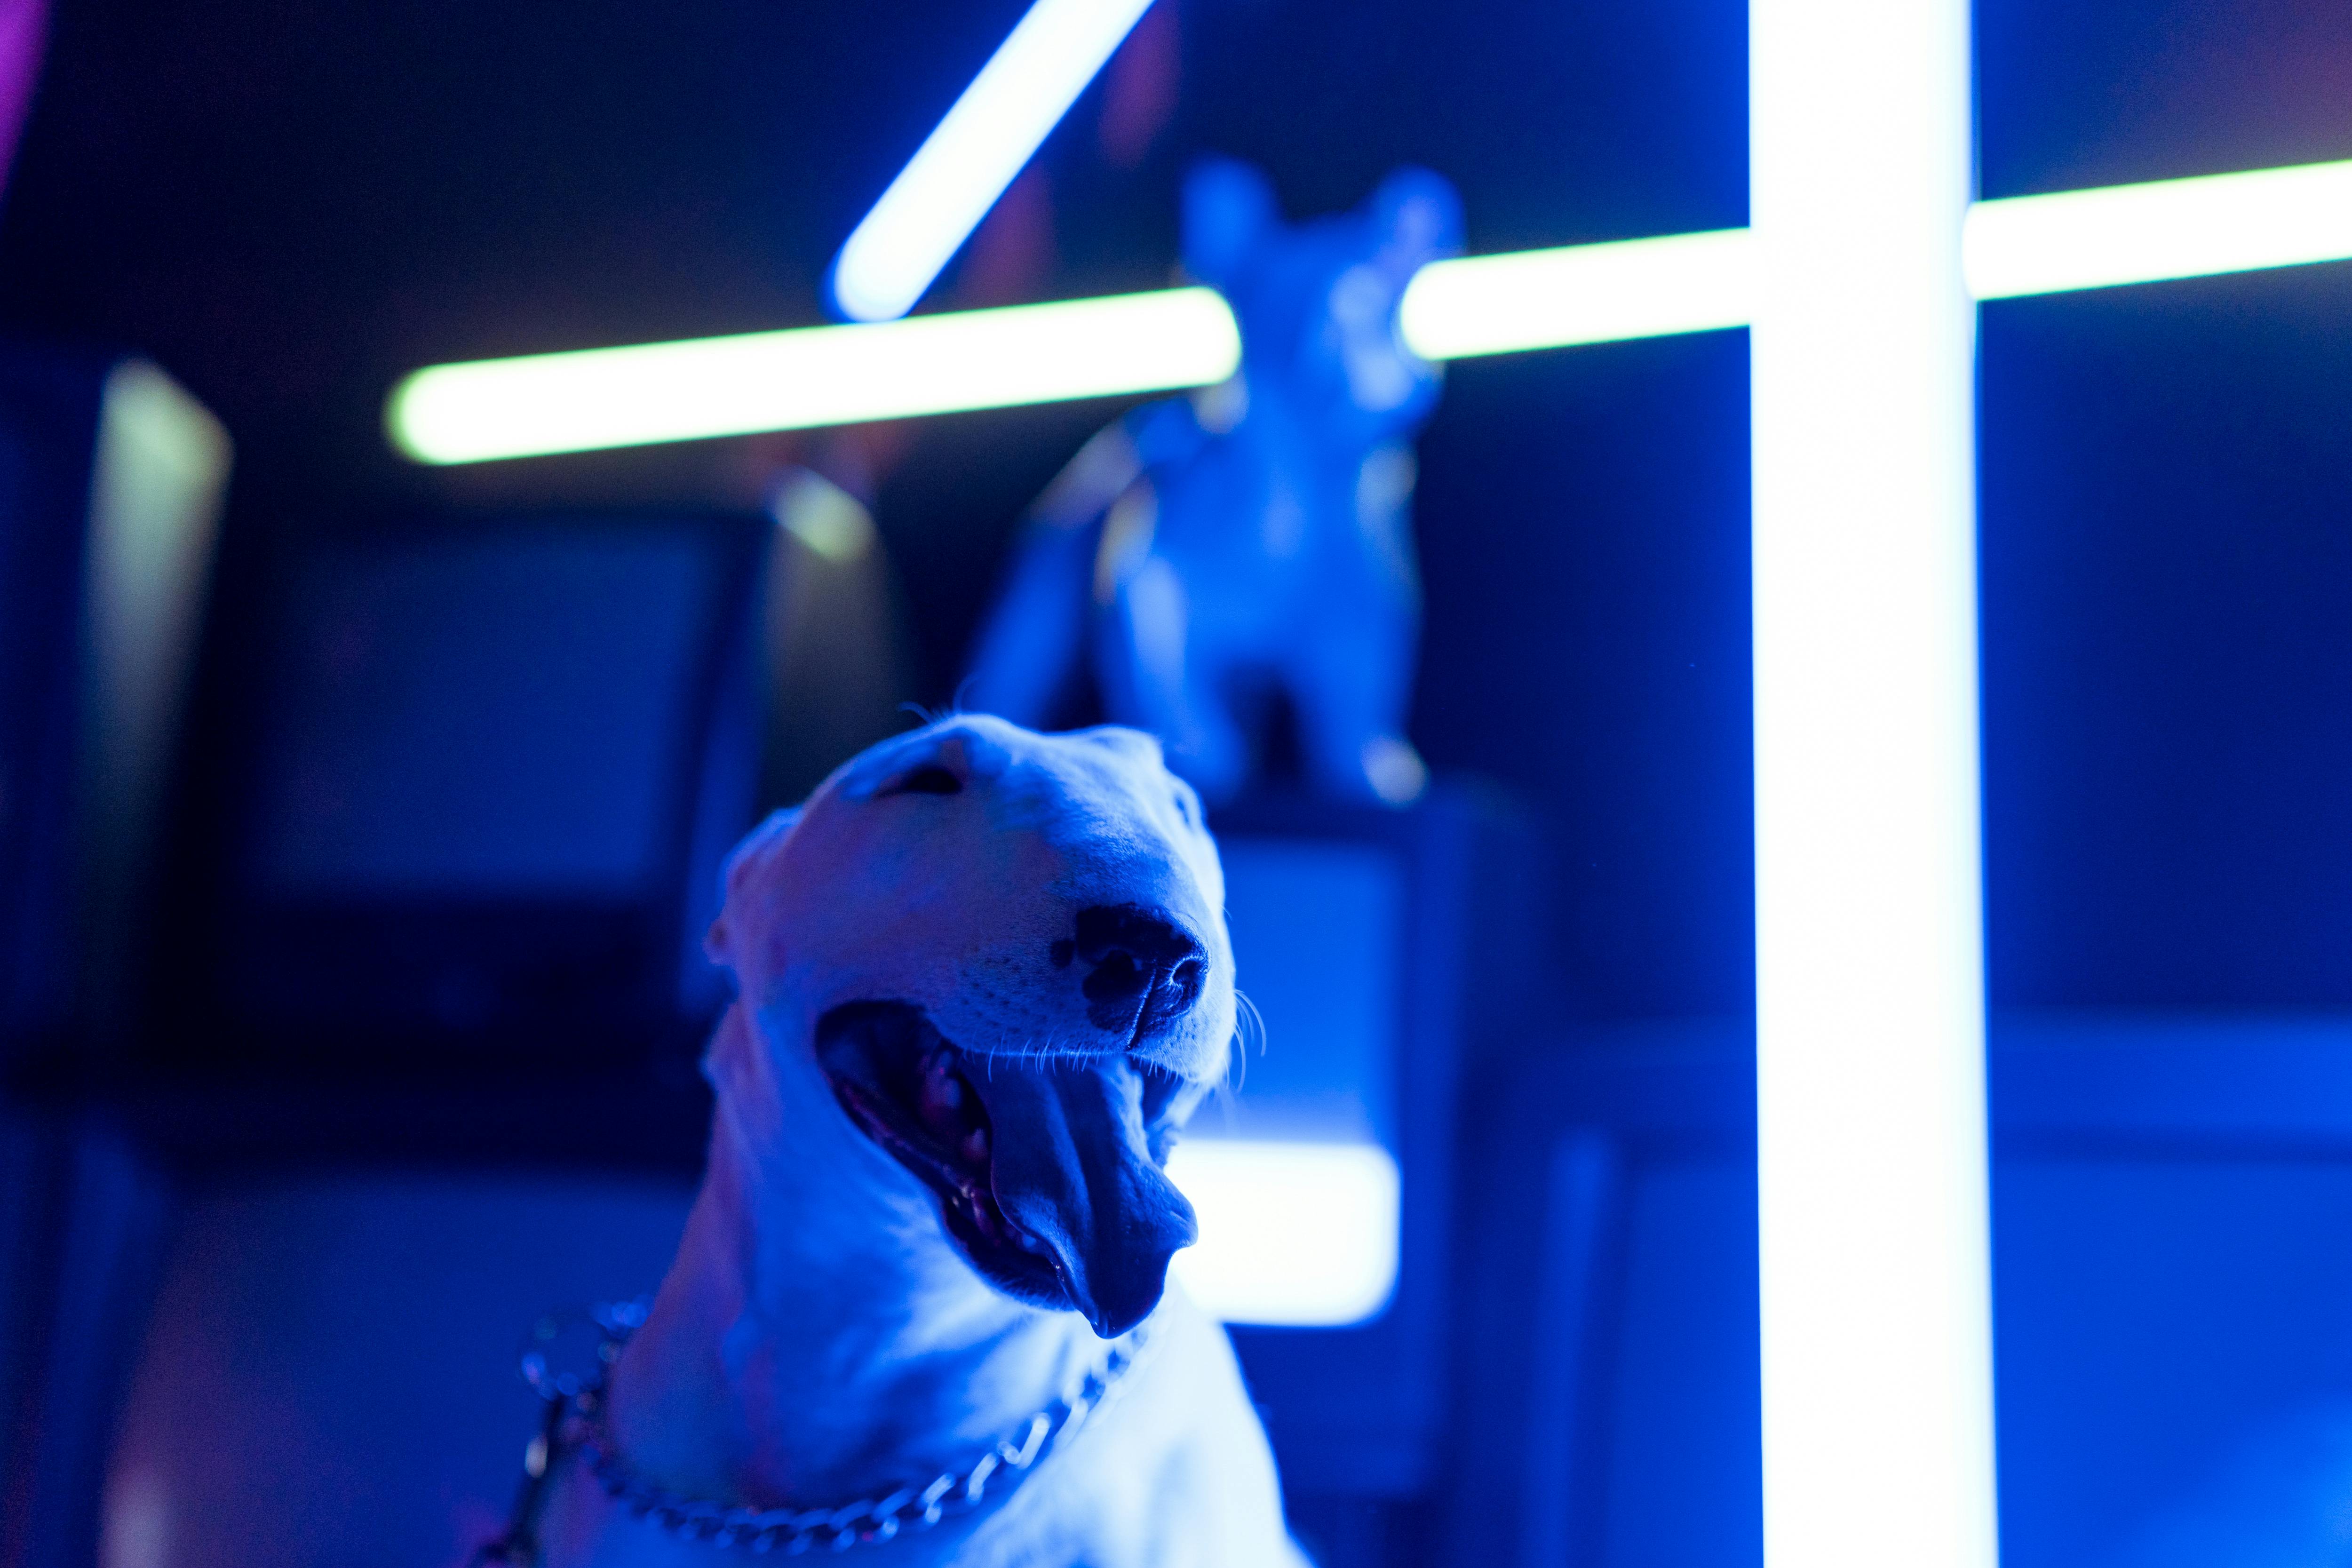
<point>575,1422</point>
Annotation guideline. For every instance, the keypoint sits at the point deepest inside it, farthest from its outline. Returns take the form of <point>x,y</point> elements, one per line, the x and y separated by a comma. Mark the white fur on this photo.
<point>820,1338</point>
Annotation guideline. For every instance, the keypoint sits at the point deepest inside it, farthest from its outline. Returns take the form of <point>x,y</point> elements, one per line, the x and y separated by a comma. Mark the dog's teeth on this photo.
<point>941,1098</point>
<point>975,1146</point>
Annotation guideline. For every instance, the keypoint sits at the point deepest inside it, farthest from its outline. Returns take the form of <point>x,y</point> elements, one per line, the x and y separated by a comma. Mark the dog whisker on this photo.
<point>1249,1018</point>
<point>1248,1021</point>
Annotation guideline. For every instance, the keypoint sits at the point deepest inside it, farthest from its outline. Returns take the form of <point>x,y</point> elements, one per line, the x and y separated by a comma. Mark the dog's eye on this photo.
<point>928,779</point>
<point>1184,809</point>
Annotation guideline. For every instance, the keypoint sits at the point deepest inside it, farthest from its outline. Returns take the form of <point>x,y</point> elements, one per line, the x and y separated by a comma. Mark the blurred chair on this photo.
<point>472,782</point>
<point>1386,950</point>
<point>263,1362</point>
<point>838,661</point>
<point>328,1375</point>
<point>2173,1284</point>
<point>1609,1404</point>
<point>435,986</point>
<point>83,1217</point>
<point>111,480</point>
<point>111,484</point>
<point>2173,1276</point>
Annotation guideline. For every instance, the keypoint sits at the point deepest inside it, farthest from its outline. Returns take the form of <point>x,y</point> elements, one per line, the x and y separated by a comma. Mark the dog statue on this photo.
<point>983,980</point>
<point>1253,542</point>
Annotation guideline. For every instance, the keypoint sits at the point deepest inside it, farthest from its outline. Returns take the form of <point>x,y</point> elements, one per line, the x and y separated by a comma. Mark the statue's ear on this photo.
<point>1228,208</point>
<point>1418,219</point>
<point>740,862</point>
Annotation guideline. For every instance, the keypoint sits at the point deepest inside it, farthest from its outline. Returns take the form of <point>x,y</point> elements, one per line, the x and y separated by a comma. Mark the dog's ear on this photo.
<point>740,862</point>
<point>1228,206</point>
<point>1417,216</point>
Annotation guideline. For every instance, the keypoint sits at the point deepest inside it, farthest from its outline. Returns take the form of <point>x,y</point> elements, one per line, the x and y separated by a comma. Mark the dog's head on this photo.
<point>1010,952</point>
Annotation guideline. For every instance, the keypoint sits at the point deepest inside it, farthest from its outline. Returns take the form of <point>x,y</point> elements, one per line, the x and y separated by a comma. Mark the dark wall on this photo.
<point>2168,560</point>
<point>2167,534</point>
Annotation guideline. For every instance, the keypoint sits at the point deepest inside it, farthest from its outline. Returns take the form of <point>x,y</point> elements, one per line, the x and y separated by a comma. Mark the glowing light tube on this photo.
<point>1578,294</point>
<point>814,375</point>
<point>1185,337</point>
<point>1876,1334</point>
<point>960,171</point>
<point>2166,229</point>
<point>1297,1234</point>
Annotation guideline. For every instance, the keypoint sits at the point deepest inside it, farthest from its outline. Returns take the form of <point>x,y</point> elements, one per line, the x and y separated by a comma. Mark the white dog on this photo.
<point>983,979</point>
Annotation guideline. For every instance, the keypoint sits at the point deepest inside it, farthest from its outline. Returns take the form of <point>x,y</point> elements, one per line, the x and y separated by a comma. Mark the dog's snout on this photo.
<point>1143,972</point>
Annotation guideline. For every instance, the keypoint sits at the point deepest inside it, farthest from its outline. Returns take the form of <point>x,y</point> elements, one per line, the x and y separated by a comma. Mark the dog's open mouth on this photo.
<point>1047,1174</point>
<point>902,1081</point>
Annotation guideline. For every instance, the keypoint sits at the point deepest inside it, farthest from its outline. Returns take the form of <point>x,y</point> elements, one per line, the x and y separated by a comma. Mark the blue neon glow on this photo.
<point>944,191</point>
<point>1875,1275</point>
<point>1301,1235</point>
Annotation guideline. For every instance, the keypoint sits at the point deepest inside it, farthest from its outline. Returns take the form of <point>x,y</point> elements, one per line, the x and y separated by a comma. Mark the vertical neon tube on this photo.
<point>1876,1320</point>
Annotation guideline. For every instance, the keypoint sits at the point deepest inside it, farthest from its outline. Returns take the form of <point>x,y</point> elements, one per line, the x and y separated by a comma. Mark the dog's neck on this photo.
<point>819,1340</point>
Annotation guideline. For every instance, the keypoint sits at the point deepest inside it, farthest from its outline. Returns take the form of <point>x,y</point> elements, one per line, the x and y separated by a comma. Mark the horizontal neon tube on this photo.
<point>964,166</point>
<point>2017,246</point>
<point>1579,294</point>
<point>2167,229</point>
<point>1303,1235</point>
<point>1185,337</point>
<point>814,375</point>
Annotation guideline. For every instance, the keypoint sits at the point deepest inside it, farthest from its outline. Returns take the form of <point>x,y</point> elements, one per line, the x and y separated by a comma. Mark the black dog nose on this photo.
<point>1143,972</point>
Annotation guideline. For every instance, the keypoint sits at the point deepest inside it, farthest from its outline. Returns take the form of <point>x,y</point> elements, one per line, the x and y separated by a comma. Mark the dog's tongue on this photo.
<point>1070,1167</point>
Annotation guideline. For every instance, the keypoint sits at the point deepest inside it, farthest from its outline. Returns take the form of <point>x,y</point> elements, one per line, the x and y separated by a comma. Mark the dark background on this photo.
<point>290,202</point>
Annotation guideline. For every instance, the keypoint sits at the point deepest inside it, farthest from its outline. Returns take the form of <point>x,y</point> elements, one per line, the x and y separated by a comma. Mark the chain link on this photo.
<point>576,1422</point>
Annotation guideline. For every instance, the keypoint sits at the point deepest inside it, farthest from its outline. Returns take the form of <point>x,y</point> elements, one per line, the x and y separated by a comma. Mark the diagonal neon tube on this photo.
<point>992,131</point>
